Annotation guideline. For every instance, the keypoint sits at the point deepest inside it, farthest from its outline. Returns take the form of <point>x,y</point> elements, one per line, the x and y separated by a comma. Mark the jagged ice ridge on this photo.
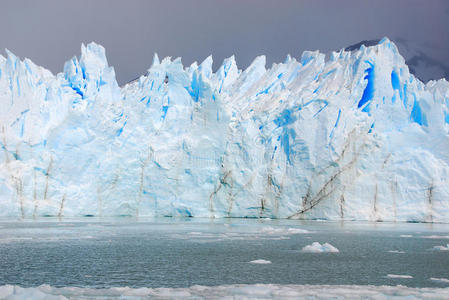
<point>354,137</point>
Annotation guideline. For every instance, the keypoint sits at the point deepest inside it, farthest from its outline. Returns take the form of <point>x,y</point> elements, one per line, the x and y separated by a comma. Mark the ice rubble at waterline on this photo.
<point>255,291</point>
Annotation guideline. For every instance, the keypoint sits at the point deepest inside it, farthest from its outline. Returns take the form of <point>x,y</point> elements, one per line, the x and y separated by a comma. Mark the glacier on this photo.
<point>351,135</point>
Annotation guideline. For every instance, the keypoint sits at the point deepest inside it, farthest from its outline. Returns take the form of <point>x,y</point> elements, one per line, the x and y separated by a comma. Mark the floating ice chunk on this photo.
<point>395,251</point>
<point>318,248</point>
<point>297,231</point>
<point>283,231</point>
<point>260,261</point>
<point>441,248</point>
<point>445,280</point>
<point>399,276</point>
<point>272,230</point>
<point>436,237</point>
<point>195,233</point>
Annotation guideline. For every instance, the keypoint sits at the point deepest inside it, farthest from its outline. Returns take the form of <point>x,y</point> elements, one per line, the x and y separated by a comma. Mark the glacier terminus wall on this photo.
<point>352,136</point>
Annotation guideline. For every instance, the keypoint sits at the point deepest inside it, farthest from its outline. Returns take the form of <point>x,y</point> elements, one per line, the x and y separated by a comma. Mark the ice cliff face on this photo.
<point>354,136</point>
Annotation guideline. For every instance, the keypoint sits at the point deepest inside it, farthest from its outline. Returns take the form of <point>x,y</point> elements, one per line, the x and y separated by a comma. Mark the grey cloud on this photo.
<point>50,32</point>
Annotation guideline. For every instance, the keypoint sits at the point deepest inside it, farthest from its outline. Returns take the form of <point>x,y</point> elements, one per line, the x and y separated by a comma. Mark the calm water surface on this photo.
<point>103,253</point>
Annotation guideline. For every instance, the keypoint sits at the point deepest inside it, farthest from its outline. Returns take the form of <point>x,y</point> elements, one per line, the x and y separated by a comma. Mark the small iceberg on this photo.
<point>318,248</point>
<point>445,280</point>
<point>399,276</point>
<point>437,237</point>
<point>269,230</point>
<point>260,262</point>
<point>441,248</point>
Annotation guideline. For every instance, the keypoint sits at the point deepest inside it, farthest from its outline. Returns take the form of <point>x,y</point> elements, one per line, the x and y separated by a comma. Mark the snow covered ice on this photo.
<point>353,136</point>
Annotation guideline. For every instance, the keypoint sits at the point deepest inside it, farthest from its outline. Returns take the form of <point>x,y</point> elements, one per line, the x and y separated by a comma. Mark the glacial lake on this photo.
<point>179,253</point>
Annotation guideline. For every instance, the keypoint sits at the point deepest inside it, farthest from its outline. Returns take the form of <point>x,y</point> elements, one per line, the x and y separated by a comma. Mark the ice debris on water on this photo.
<point>237,291</point>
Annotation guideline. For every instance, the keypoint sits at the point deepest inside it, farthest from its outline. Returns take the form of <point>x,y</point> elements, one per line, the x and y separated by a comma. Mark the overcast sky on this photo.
<point>51,32</point>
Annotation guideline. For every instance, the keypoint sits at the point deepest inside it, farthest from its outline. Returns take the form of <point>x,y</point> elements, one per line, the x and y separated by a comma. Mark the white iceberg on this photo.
<point>441,248</point>
<point>316,247</point>
<point>269,230</point>
<point>444,280</point>
<point>260,262</point>
<point>399,276</point>
<point>436,237</point>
